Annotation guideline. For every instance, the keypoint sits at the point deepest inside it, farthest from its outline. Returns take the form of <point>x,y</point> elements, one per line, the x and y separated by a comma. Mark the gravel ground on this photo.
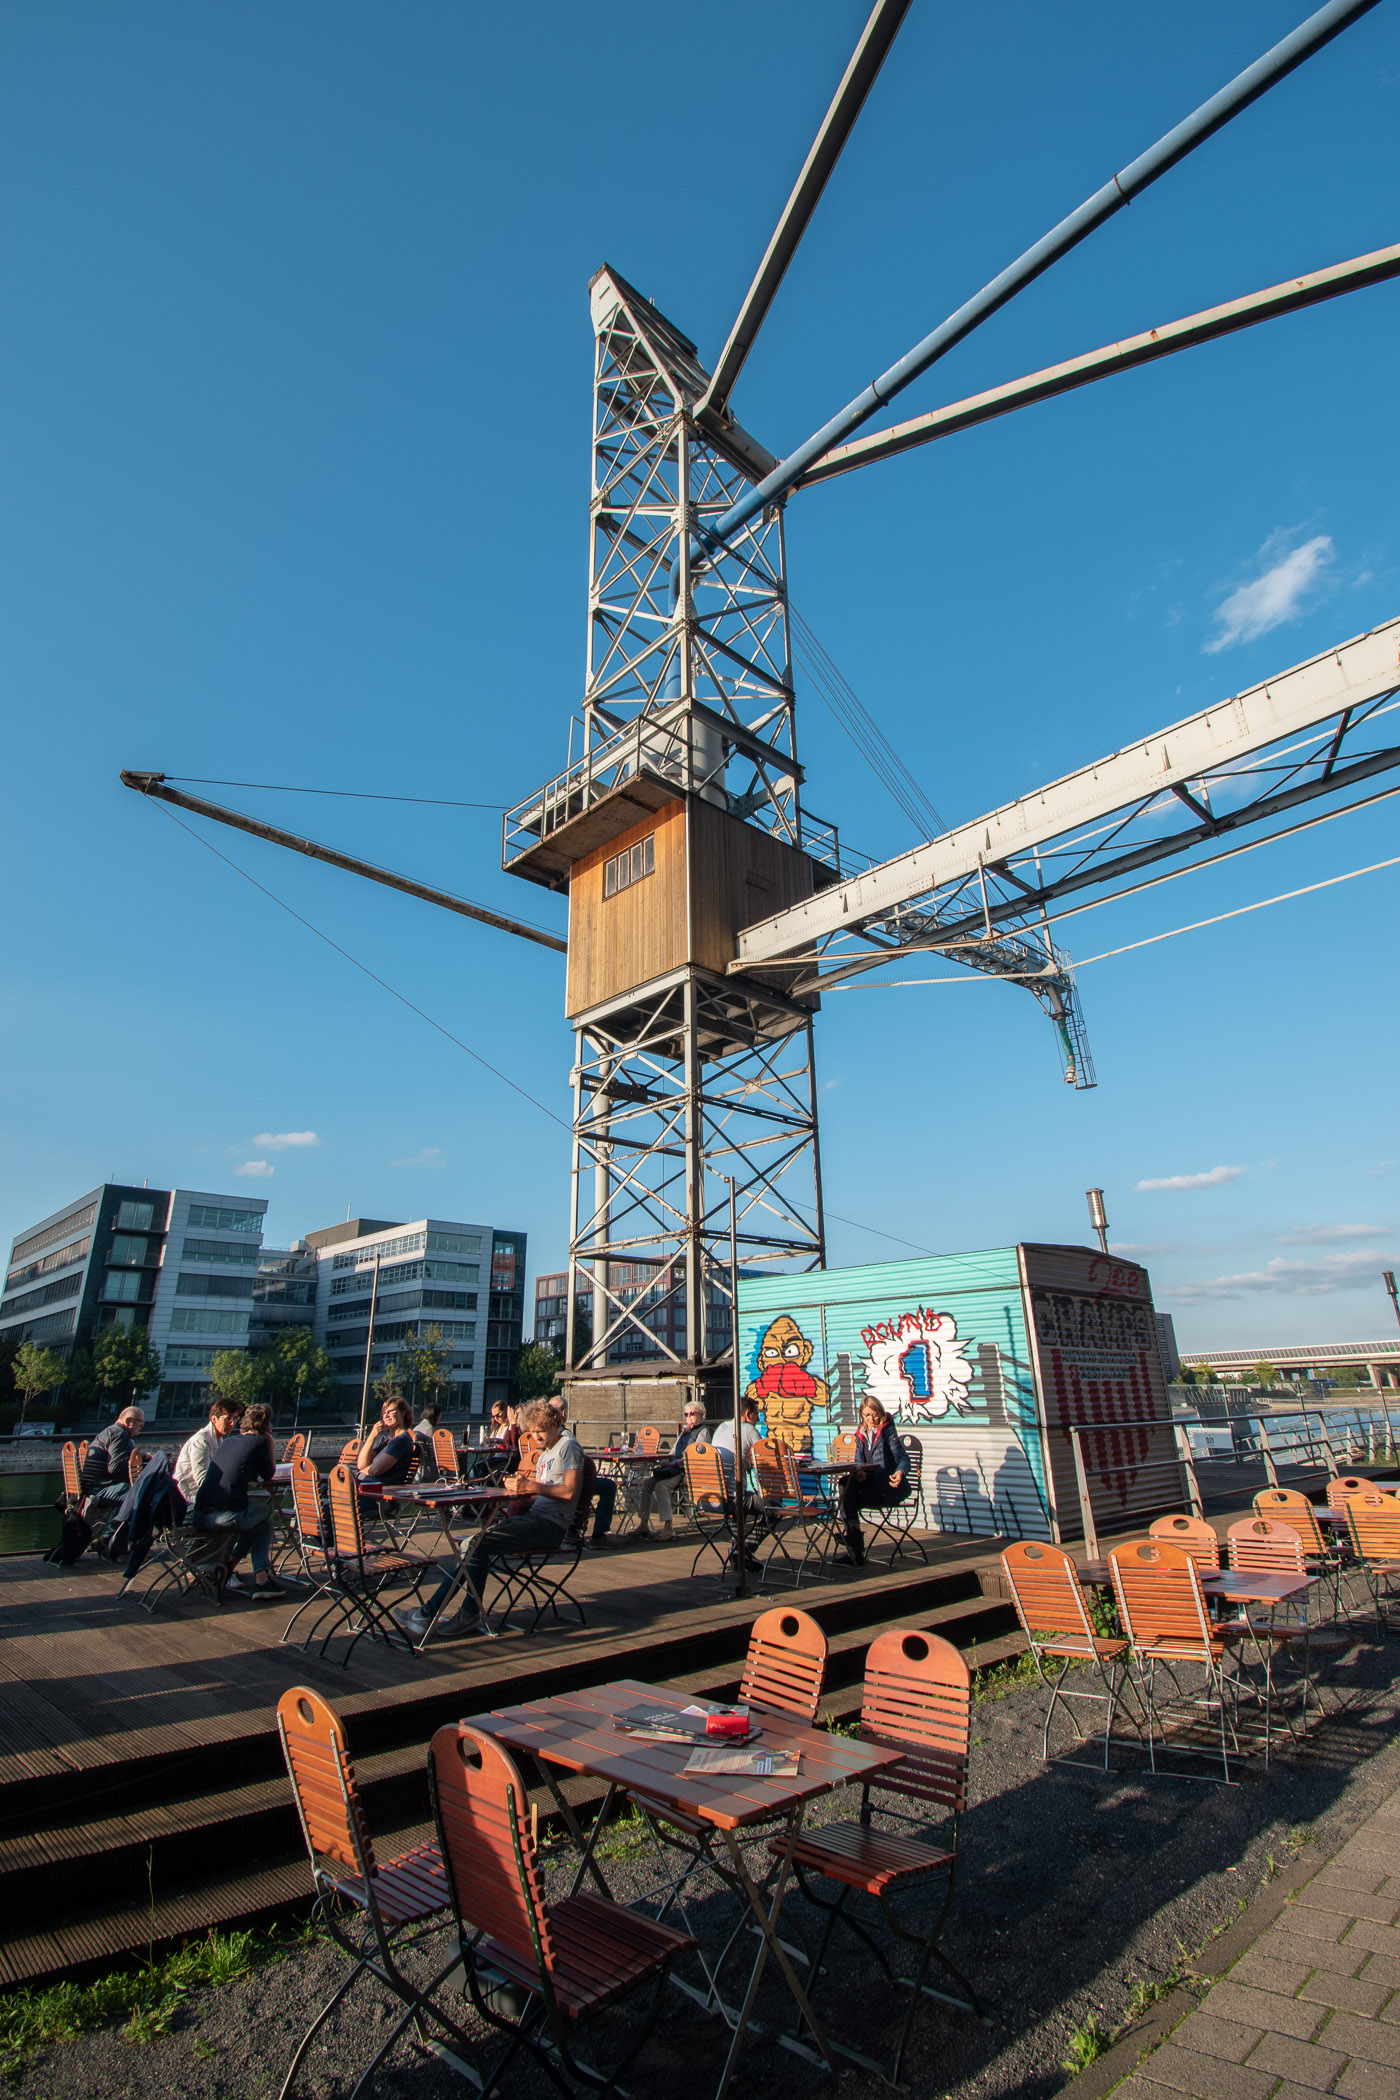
<point>1075,1888</point>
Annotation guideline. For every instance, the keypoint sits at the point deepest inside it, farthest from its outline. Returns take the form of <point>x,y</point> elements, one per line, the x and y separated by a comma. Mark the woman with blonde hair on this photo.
<point>881,1477</point>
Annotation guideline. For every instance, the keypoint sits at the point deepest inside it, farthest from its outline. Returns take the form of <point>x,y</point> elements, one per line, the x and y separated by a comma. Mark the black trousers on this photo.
<point>874,1492</point>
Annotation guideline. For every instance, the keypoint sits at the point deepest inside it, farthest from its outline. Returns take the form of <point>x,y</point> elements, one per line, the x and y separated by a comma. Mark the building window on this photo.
<point>48,1262</point>
<point>132,1253</point>
<point>219,1250</point>
<point>630,866</point>
<point>47,1294</point>
<point>136,1217</point>
<point>122,1287</point>
<point>214,1287</point>
<point>454,1243</point>
<point>410,1243</point>
<point>211,1220</point>
<point>74,1222</point>
<point>185,1320</point>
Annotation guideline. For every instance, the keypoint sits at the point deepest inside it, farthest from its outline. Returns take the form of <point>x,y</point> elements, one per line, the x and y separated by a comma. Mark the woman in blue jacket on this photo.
<point>881,1477</point>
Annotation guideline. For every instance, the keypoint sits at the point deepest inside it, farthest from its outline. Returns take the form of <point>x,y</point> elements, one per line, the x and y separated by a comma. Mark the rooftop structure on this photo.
<point>1379,1361</point>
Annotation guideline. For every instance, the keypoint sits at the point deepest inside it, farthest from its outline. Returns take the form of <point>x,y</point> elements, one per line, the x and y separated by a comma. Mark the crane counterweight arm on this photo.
<point>154,784</point>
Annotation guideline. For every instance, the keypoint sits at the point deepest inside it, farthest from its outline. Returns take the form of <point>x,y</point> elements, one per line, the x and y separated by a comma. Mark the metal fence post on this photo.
<point>1086,1507</point>
<point>1188,1470</point>
<point>1267,1451</point>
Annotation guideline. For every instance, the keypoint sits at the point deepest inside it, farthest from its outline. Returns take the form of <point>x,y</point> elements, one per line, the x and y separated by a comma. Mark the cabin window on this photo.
<point>624,869</point>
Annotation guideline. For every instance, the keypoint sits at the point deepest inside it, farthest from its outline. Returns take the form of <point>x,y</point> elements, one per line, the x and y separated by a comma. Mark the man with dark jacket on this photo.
<point>222,1501</point>
<point>106,1473</point>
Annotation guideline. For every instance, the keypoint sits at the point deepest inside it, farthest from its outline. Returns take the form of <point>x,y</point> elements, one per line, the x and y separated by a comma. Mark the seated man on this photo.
<point>196,1452</point>
<point>722,1444</point>
<point>106,1473</point>
<point>657,1487</point>
<point>604,1492</point>
<point>424,1430</point>
<point>558,1477</point>
<point>222,1501</point>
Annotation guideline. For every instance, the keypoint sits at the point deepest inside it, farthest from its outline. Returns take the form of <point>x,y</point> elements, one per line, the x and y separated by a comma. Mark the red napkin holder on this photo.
<point>730,1725</point>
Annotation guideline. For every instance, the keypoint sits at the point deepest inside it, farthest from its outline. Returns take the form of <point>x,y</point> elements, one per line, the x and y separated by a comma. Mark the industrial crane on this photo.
<point>708,907</point>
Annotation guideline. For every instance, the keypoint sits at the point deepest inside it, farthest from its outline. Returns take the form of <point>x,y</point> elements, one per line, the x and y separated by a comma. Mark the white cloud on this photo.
<point>1288,1279</point>
<point>256,1170</point>
<point>1213,1178</point>
<point>1316,1235</point>
<point>1383,1166</point>
<point>1276,595</point>
<point>283,1140</point>
<point>430,1156</point>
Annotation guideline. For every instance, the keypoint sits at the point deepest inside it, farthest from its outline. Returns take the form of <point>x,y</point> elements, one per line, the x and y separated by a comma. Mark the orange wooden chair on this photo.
<point>72,1475</point>
<point>1195,1536</point>
<point>842,1449</point>
<point>365,1575</point>
<point>647,1441</point>
<point>349,1452</point>
<point>707,1492</point>
<point>572,1959</point>
<point>1342,1486</point>
<point>816,1515</point>
<point>446,1454</point>
<point>319,1565</point>
<point>896,1520</point>
<point>1265,1546</point>
<point>1290,1506</point>
<point>918,1699</point>
<point>770,1481</point>
<point>1049,1601</point>
<point>294,1448</point>
<point>1162,1610</point>
<point>1373,1528</point>
<point>394,1905</point>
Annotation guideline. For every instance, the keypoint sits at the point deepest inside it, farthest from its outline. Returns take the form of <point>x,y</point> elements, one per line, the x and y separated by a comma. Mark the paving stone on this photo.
<point>1267,2011</point>
<point>1347,1994</point>
<point>1303,2062</point>
<point>1311,1924</point>
<point>1382,1968</point>
<point>1207,2078</point>
<point>1377,1939</point>
<point>1340,1960</point>
<point>1216,2037</point>
<point>1362,2082</point>
<point>1363,1881</point>
<point>1270,1972</point>
<point>1139,2088</point>
<point>1318,1895</point>
<point>1370,1849</point>
<point>1376,2040</point>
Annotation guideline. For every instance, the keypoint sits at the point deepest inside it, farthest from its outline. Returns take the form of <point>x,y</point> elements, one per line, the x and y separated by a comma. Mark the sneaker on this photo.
<point>415,1623</point>
<point>270,1588</point>
<point>235,1586</point>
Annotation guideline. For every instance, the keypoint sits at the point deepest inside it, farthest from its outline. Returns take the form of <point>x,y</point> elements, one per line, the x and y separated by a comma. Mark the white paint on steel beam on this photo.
<point>1296,700</point>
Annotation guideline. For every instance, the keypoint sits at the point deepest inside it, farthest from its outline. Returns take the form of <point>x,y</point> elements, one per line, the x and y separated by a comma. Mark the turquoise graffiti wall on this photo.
<point>942,1343</point>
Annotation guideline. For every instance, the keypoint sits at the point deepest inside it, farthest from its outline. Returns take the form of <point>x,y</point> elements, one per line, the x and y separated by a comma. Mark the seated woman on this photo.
<point>424,1430</point>
<point>237,1462</point>
<point>656,1488</point>
<point>386,1454</point>
<point>880,1480</point>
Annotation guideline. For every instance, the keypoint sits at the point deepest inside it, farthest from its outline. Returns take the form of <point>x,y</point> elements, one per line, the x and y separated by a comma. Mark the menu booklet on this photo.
<point>757,1764</point>
<point>662,1724</point>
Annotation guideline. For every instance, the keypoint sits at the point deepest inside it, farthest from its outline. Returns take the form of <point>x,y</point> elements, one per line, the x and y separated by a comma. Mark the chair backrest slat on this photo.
<point>785,1664</point>
<point>323,1780</point>
<point>1264,1546</point>
<point>72,1482</point>
<point>445,1452</point>
<point>483,1820</point>
<point>918,1697</point>
<point>770,1472</point>
<point>349,1452</point>
<point>308,1502</point>
<point>1194,1535</point>
<point>294,1448</point>
<point>1045,1591</point>
<point>1158,1589</point>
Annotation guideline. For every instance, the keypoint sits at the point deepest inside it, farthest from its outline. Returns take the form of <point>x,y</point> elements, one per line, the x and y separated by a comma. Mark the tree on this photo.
<point>537,1372</point>
<point>426,1357</point>
<point>1205,1375</point>
<point>1265,1374</point>
<point>294,1371</point>
<point>124,1363</point>
<point>9,1348</point>
<point>36,1370</point>
<point>81,1389</point>
<point>1344,1374</point>
<point>387,1386</point>
<point>235,1376</point>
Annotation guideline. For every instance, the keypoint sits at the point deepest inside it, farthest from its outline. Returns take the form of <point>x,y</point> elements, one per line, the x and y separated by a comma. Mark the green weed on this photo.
<point>1086,2045</point>
<point>1003,1677</point>
<point>627,1833</point>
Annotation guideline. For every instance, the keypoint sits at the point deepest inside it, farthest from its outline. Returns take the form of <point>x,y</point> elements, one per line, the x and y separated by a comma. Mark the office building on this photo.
<point>660,1309</point>
<point>466,1280</point>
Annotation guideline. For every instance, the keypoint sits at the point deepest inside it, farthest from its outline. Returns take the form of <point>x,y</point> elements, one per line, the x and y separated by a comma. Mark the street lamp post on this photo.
<point>369,1345</point>
<point>1098,1216</point>
<point>741,1580</point>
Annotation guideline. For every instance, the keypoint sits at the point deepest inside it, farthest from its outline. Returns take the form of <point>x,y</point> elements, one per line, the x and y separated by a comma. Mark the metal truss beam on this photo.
<point>1208,326</point>
<point>1311,731</point>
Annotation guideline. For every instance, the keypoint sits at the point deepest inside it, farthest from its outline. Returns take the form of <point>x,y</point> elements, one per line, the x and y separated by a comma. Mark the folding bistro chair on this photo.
<point>1196,1538</point>
<point>1162,1611</point>
<point>72,1475</point>
<point>394,1905</point>
<point>896,1520</point>
<point>918,1699</point>
<point>843,1447</point>
<point>815,1515</point>
<point>445,1452</point>
<point>571,1959</point>
<point>1263,1546</point>
<point>1290,1506</point>
<point>349,1452</point>
<point>318,1559</point>
<point>1049,1601</point>
<point>647,1441</point>
<point>770,1479</point>
<point>366,1575</point>
<point>1373,1527</point>
<point>540,1579</point>
<point>707,1492</point>
<point>1342,1486</point>
<point>294,1448</point>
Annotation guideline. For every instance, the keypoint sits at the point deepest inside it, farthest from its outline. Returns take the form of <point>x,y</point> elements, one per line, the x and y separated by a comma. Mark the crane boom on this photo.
<point>1262,751</point>
<point>154,784</point>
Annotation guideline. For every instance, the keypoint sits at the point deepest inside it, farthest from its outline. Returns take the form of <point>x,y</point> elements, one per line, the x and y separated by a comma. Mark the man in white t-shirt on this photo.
<point>195,1454</point>
<point>722,1443</point>
<point>556,1481</point>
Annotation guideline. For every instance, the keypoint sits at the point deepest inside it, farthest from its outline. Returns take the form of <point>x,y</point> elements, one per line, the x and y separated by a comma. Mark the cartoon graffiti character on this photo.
<point>785,1388</point>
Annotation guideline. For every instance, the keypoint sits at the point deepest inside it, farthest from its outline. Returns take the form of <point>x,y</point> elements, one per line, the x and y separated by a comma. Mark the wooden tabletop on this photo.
<point>576,1730</point>
<point>834,1465</point>
<point>438,1491</point>
<point>1245,1588</point>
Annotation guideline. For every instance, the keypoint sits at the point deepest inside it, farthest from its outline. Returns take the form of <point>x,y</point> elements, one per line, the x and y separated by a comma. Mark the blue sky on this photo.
<point>295,474</point>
